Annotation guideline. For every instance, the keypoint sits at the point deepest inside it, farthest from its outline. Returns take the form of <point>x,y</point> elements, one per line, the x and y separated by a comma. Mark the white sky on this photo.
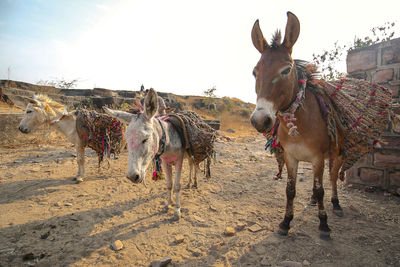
<point>183,47</point>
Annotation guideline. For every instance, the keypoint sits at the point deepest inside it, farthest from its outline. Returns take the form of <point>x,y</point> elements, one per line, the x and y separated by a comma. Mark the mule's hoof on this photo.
<point>312,202</point>
<point>194,186</point>
<point>338,212</point>
<point>187,186</point>
<point>325,235</point>
<point>283,231</point>
<point>79,180</point>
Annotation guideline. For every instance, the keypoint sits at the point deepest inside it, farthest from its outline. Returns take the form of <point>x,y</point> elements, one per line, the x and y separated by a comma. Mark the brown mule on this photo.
<point>303,132</point>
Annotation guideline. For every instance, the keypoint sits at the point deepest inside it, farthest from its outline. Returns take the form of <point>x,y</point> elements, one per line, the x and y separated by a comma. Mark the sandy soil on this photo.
<point>48,220</point>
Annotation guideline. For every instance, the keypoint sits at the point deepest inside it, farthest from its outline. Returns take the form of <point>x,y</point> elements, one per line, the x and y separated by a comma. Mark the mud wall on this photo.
<point>379,63</point>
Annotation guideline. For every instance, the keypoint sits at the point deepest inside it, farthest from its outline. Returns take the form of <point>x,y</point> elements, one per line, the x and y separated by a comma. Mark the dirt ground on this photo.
<point>48,220</point>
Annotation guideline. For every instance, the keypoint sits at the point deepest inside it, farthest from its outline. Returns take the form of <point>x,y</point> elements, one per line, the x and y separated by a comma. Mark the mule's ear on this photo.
<point>122,116</point>
<point>292,31</point>
<point>258,38</point>
<point>151,104</point>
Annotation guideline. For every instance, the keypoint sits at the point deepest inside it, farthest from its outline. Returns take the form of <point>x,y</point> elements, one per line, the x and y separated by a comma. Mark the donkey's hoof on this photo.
<point>338,212</point>
<point>79,180</point>
<point>325,235</point>
<point>312,202</point>
<point>283,231</point>
<point>177,216</point>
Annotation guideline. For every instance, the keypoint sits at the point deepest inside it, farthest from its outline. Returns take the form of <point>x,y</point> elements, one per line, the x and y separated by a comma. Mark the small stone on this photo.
<point>161,263</point>
<point>260,250</point>
<point>217,246</point>
<point>255,228</point>
<point>290,264</point>
<point>398,191</point>
<point>306,263</point>
<point>213,208</point>
<point>240,226</point>
<point>68,204</point>
<point>300,172</point>
<point>199,219</point>
<point>265,262</point>
<point>229,231</point>
<point>57,204</point>
<point>386,194</point>
<point>45,235</point>
<point>117,245</point>
<point>179,239</point>
<point>196,252</point>
<point>230,131</point>
<point>28,257</point>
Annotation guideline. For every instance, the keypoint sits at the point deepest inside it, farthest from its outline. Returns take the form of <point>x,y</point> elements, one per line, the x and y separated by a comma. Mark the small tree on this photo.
<point>210,100</point>
<point>328,60</point>
<point>59,83</point>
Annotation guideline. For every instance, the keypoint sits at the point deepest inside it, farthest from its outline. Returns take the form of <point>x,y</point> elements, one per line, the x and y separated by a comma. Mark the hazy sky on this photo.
<point>182,47</point>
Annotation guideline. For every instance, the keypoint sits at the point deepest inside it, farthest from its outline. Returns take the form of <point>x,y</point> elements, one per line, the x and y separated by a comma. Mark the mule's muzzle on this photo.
<point>23,129</point>
<point>261,124</point>
<point>135,177</point>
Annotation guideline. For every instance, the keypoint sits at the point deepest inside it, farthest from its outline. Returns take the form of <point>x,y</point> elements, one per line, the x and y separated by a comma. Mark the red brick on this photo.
<point>352,176</point>
<point>395,89</point>
<point>391,55</point>
<point>390,142</point>
<point>371,176</point>
<point>387,160</point>
<point>361,60</point>
<point>382,76</point>
<point>394,178</point>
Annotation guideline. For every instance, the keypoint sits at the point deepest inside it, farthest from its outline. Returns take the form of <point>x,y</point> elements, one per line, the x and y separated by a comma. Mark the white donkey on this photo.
<point>41,110</point>
<point>148,136</point>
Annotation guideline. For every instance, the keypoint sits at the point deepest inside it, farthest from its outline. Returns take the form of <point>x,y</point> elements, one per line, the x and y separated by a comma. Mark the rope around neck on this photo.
<point>288,114</point>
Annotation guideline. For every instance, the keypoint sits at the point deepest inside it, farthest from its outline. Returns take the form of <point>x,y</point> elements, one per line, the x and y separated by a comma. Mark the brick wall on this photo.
<point>379,63</point>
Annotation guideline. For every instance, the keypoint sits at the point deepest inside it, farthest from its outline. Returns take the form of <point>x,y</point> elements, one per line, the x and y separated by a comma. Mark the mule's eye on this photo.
<point>145,140</point>
<point>254,73</point>
<point>28,111</point>
<point>286,71</point>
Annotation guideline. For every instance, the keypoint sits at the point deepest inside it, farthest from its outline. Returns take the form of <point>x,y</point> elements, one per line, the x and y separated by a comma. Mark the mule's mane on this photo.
<point>308,71</point>
<point>276,39</point>
<point>50,106</point>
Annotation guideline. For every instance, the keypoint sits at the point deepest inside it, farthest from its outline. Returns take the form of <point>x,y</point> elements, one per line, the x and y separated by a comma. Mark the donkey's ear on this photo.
<point>122,116</point>
<point>151,104</point>
<point>22,101</point>
<point>258,38</point>
<point>292,31</point>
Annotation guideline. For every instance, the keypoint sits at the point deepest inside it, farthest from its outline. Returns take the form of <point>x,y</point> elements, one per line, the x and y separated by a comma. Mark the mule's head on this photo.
<point>35,114</point>
<point>275,73</point>
<point>142,136</point>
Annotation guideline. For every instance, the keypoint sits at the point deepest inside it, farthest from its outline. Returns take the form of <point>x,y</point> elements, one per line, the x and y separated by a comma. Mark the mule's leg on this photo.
<point>291,166</point>
<point>335,165</point>
<point>318,193</point>
<point>168,173</point>
<point>80,158</point>
<point>177,187</point>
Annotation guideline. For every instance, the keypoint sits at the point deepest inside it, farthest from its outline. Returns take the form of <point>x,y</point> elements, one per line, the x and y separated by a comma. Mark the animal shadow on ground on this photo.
<point>67,229</point>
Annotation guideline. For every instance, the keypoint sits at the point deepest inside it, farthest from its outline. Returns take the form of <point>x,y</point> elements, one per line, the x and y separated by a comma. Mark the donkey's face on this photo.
<point>141,136</point>
<point>34,116</point>
<point>276,77</point>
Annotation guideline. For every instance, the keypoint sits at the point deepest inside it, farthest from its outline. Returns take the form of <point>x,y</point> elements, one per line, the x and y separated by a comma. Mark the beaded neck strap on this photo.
<point>288,113</point>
